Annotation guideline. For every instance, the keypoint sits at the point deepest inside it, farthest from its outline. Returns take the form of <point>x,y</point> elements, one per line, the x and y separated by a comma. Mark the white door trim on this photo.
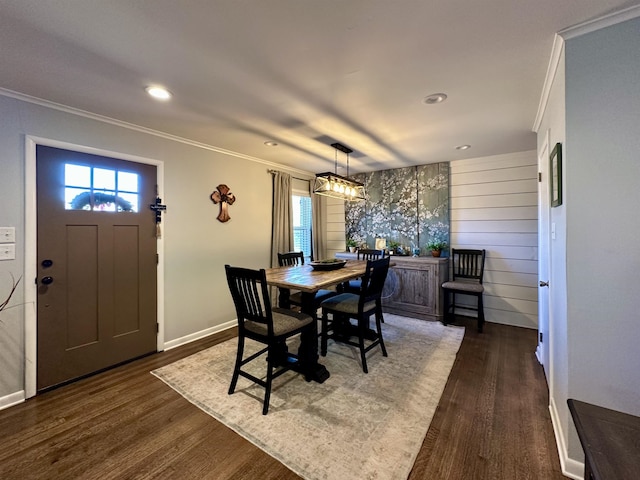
<point>31,248</point>
<point>542,351</point>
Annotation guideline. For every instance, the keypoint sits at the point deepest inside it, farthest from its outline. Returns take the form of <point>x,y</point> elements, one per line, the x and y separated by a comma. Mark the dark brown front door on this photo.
<point>96,263</point>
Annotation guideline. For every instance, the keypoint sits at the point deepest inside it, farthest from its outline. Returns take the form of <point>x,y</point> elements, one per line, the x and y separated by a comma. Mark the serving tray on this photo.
<point>332,264</point>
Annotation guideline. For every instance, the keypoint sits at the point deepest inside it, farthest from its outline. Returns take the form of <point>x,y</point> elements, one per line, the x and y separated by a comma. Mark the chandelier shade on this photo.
<point>336,186</point>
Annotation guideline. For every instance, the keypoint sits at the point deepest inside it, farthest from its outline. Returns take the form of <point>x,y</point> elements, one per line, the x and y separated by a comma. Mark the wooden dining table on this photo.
<point>308,281</point>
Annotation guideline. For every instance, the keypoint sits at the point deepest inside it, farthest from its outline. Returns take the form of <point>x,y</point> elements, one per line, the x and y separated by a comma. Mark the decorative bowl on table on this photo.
<point>329,264</point>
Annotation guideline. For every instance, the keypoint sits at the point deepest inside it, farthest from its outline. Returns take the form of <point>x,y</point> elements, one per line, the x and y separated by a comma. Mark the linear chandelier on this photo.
<point>337,186</point>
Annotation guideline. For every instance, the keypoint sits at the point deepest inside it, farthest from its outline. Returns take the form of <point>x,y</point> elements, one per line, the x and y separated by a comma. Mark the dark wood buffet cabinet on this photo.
<point>413,286</point>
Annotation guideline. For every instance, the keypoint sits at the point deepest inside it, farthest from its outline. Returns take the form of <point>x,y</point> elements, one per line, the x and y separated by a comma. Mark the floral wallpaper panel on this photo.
<point>408,206</point>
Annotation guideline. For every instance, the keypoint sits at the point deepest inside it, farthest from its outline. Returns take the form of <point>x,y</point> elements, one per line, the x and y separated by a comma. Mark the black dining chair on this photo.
<point>290,258</point>
<point>353,286</point>
<point>261,323</point>
<point>297,258</point>
<point>468,272</point>
<point>360,307</point>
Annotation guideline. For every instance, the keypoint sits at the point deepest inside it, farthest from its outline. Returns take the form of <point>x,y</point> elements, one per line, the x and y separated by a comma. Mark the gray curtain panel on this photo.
<point>282,229</point>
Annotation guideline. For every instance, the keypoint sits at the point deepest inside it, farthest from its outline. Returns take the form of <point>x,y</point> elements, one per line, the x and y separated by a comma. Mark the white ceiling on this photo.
<point>302,73</point>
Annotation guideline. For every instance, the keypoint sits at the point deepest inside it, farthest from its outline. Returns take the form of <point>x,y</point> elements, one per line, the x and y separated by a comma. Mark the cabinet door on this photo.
<point>414,290</point>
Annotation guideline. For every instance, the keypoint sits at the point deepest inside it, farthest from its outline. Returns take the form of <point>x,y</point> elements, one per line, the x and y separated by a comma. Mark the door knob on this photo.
<point>47,280</point>
<point>544,284</point>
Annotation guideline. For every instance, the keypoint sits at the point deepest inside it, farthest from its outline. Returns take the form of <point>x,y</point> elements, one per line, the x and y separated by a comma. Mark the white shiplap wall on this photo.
<point>494,206</point>
<point>493,202</point>
<point>335,227</point>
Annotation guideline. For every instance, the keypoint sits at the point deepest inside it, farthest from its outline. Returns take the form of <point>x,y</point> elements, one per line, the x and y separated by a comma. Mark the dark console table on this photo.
<point>610,440</point>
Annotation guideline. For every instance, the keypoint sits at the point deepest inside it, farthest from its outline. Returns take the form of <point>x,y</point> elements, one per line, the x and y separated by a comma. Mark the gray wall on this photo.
<point>603,227</point>
<point>11,215</point>
<point>594,321</point>
<point>196,244</point>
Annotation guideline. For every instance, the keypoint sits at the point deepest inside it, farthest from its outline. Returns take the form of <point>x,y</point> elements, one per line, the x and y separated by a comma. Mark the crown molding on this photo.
<point>601,22</point>
<point>552,69</point>
<point>558,46</point>
<point>149,131</point>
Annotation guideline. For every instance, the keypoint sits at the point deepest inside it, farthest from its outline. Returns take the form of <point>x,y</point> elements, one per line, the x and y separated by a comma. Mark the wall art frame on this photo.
<point>555,175</point>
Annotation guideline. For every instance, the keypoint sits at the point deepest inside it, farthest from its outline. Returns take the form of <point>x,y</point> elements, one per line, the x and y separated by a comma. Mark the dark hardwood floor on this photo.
<point>492,423</point>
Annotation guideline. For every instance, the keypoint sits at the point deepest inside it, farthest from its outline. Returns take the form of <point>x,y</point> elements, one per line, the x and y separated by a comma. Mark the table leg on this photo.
<point>308,351</point>
<point>282,356</point>
<point>283,297</point>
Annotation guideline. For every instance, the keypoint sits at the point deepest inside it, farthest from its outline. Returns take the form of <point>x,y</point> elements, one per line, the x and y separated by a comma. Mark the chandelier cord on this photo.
<point>347,164</point>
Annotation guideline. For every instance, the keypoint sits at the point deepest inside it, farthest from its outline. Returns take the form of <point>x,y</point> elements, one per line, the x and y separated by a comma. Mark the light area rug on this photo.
<point>352,426</point>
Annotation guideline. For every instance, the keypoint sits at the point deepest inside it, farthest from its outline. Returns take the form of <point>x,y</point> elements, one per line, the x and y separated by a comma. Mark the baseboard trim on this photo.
<point>198,335</point>
<point>570,468</point>
<point>12,399</point>
<point>19,397</point>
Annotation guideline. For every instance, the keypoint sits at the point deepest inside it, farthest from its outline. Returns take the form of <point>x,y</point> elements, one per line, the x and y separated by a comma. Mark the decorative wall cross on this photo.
<point>224,197</point>
<point>158,208</point>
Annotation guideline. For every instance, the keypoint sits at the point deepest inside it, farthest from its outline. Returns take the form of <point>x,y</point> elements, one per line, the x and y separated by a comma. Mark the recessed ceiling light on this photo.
<point>159,93</point>
<point>463,147</point>
<point>435,98</point>
<point>270,143</point>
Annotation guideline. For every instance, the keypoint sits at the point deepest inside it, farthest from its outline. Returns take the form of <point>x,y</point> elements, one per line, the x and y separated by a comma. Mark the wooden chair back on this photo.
<point>369,254</point>
<point>290,258</point>
<point>250,296</point>
<point>373,280</point>
<point>468,263</point>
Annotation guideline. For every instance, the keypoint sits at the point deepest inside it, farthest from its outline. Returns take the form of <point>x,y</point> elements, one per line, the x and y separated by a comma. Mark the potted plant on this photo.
<point>351,244</point>
<point>436,247</point>
<point>393,247</point>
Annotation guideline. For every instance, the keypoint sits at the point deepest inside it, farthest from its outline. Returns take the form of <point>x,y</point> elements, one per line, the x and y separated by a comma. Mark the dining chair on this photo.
<point>353,286</point>
<point>297,258</point>
<point>261,323</point>
<point>360,307</point>
<point>468,272</point>
<point>290,258</point>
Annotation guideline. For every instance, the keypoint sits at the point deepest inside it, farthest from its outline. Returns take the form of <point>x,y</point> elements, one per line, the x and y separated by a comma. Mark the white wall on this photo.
<point>196,244</point>
<point>336,240</point>
<point>493,205</point>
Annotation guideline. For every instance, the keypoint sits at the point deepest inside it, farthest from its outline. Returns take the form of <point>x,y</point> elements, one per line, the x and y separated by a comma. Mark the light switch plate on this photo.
<point>7,234</point>
<point>7,251</point>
